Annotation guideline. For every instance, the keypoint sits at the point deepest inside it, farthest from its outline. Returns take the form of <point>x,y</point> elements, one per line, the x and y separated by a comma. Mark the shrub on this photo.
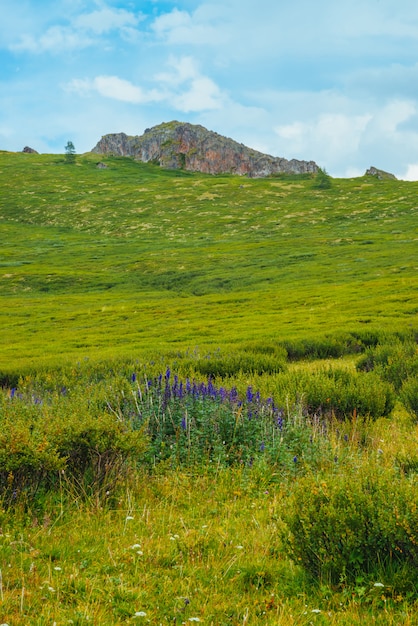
<point>43,437</point>
<point>394,361</point>
<point>362,522</point>
<point>409,396</point>
<point>223,366</point>
<point>337,392</point>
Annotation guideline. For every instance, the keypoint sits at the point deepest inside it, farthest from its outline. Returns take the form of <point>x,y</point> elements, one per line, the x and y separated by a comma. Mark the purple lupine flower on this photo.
<point>133,377</point>
<point>13,392</point>
<point>167,373</point>
<point>257,397</point>
<point>180,392</point>
<point>295,459</point>
<point>250,394</point>
<point>280,422</point>
<point>262,446</point>
<point>184,423</point>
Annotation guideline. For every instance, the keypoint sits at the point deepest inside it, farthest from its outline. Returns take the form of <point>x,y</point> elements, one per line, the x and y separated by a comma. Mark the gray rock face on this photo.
<point>29,150</point>
<point>380,174</point>
<point>176,145</point>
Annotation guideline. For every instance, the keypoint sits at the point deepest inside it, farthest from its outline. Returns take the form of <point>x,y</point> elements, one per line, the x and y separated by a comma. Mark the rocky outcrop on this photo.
<point>380,174</point>
<point>28,150</point>
<point>176,145</point>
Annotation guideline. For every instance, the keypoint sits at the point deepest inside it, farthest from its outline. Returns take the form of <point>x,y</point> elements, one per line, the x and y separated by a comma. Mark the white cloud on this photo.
<point>203,94</point>
<point>84,30</point>
<point>203,26</point>
<point>115,88</point>
<point>189,89</point>
<point>411,172</point>
<point>329,136</point>
<point>184,68</point>
<point>56,38</point>
<point>106,20</point>
<point>185,89</point>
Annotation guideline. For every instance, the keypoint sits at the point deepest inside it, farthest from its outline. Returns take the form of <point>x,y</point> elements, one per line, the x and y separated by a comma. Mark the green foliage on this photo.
<point>70,153</point>
<point>360,523</point>
<point>395,360</point>
<point>409,396</point>
<point>52,438</point>
<point>253,362</point>
<point>322,180</point>
<point>337,392</point>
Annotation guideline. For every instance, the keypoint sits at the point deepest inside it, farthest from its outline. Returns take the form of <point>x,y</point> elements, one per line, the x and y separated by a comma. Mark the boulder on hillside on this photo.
<point>29,150</point>
<point>380,174</point>
<point>177,145</point>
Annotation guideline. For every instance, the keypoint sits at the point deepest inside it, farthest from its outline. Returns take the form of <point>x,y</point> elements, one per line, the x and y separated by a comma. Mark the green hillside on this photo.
<point>131,259</point>
<point>208,397</point>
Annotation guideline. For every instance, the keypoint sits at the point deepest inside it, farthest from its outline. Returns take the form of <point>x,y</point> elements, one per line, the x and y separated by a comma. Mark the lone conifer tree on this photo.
<point>69,152</point>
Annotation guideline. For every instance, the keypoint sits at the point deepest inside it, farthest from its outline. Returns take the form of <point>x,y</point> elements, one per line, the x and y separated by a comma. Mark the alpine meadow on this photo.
<point>209,396</point>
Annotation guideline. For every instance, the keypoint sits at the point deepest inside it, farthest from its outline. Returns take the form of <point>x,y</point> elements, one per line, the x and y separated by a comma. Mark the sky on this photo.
<point>333,81</point>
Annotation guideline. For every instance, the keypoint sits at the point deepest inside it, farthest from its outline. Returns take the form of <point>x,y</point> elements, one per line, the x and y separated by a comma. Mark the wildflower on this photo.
<point>128,517</point>
<point>295,459</point>
<point>194,619</point>
<point>140,614</point>
<point>378,585</point>
<point>133,377</point>
<point>184,423</point>
<point>136,546</point>
<point>262,446</point>
<point>316,611</point>
<point>239,547</point>
<point>57,569</point>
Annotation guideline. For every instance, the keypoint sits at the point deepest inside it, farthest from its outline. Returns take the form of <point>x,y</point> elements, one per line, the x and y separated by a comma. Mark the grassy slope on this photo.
<point>133,259</point>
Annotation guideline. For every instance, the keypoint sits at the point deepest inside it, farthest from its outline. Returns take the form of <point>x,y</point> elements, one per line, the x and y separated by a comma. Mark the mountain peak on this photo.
<point>181,145</point>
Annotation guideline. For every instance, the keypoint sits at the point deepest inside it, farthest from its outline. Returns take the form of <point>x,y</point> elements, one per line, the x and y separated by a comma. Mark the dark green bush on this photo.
<point>44,441</point>
<point>231,364</point>
<point>337,392</point>
<point>362,522</point>
<point>409,396</point>
<point>394,361</point>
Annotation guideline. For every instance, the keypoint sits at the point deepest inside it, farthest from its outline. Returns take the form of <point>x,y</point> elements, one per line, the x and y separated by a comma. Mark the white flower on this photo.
<point>135,546</point>
<point>239,547</point>
<point>57,569</point>
<point>194,619</point>
<point>128,517</point>
<point>378,585</point>
<point>140,552</point>
<point>140,614</point>
<point>316,611</point>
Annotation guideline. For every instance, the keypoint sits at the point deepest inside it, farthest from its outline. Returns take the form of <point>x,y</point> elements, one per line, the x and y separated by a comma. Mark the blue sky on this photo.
<point>335,81</point>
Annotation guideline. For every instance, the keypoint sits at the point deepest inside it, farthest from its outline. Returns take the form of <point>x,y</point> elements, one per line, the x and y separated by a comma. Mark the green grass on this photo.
<point>118,506</point>
<point>177,260</point>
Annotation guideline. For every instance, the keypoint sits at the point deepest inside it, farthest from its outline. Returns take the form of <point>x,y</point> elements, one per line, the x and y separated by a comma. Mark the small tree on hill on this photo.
<point>322,180</point>
<point>69,152</point>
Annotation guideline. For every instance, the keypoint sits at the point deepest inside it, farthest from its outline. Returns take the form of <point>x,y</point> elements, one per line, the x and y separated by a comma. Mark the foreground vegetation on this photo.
<point>209,397</point>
